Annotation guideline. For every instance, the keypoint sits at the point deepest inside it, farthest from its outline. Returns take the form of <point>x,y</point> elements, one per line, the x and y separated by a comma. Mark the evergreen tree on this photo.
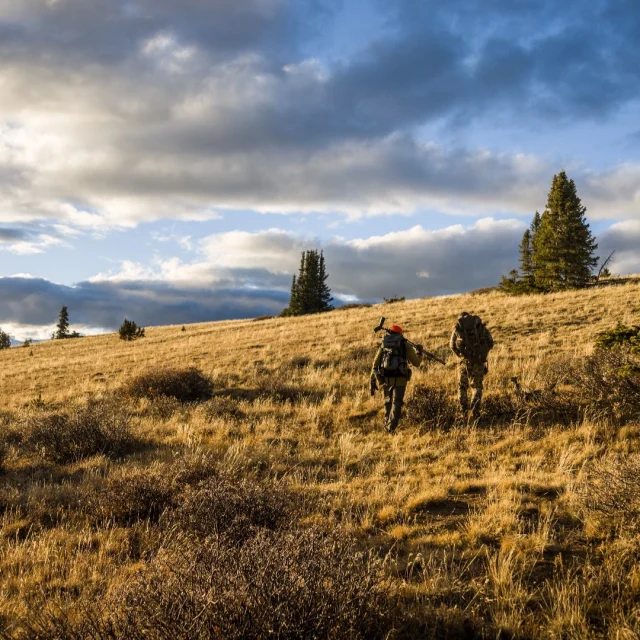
<point>62,328</point>
<point>564,247</point>
<point>324,293</point>
<point>526,259</point>
<point>309,290</point>
<point>557,251</point>
<point>5,340</point>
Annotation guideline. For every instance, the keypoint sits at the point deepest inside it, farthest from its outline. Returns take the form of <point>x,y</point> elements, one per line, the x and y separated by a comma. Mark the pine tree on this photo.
<point>526,259</point>
<point>324,293</point>
<point>5,340</point>
<point>563,251</point>
<point>309,290</point>
<point>62,328</point>
<point>557,251</point>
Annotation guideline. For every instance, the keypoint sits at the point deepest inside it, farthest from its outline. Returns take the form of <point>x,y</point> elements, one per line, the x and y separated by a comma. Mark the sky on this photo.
<point>168,161</point>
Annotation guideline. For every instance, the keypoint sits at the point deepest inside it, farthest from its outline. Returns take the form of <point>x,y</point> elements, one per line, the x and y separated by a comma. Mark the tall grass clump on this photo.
<point>185,385</point>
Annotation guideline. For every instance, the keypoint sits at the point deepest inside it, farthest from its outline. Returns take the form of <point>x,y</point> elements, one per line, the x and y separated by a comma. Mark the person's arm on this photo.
<point>413,356</point>
<point>489,338</point>
<point>452,343</point>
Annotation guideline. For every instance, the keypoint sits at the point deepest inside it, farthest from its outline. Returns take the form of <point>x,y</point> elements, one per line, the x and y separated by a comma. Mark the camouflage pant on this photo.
<point>393,402</point>
<point>471,374</point>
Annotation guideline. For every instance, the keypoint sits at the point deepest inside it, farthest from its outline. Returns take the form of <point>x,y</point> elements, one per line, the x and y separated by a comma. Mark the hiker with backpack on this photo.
<point>471,341</point>
<point>391,368</point>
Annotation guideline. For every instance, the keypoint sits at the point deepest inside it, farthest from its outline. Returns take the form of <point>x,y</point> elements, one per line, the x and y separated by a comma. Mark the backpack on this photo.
<point>393,363</point>
<point>473,339</point>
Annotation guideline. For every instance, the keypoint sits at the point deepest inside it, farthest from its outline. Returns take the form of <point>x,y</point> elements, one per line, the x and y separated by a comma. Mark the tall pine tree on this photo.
<point>557,251</point>
<point>309,290</point>
<point>564,247</point>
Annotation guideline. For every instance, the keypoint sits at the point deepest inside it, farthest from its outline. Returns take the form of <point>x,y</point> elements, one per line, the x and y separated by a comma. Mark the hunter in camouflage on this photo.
<point>391,369</point>
<point>471,341</point>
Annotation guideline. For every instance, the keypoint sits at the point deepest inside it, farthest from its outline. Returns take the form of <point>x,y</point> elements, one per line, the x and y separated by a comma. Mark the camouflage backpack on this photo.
<point>472,338</point>
<point>393,362</point>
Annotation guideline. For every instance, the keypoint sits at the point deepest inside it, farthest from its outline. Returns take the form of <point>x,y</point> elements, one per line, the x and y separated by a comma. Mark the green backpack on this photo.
<point>393,362</point>
<point>473,338</point>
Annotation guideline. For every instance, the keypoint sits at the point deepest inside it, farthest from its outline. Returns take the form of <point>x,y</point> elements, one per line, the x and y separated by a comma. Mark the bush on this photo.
<point>131,496</point>
<point>610,493</point>
<point>296,584</point>
<point>431,408</point>
<point>234,508</point>
<point>129,330</point>
<point>99,427</point>
<point>223,407</point>
<point>607,384</point>
<point>185,385</point>
<point>263,318</point>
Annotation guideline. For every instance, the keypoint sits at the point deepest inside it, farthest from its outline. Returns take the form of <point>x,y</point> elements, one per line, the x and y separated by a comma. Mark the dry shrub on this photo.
<point>132,495</point>
<point>431,408</point>
<point>610,493</point>
<point>185,385</point>
<point>605,383</point>
<point>163,407</point>
<point>99,427</point>
<point>276,386</point>
<point>225,407</point>
<point>235,508</point>
<point>295,584</point>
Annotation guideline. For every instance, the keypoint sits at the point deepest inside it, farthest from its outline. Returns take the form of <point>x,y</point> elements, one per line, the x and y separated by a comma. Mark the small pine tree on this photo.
<point>62,328</point>
<point>129,330</point>
<point>5,340</point>
<point>526,260</point>
<point>324,293</point>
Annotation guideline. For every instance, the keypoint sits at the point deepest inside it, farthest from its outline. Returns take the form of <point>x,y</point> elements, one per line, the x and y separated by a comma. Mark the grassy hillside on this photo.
<point>446,529</point>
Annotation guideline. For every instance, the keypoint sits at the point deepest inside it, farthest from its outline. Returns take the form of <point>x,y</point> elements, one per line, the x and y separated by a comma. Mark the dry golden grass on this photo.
<point>480,526</point>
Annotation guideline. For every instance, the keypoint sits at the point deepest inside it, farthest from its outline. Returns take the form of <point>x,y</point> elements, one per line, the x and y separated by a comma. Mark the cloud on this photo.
<point>624,239</point>
<point>118,113</point>
<point>11,235</point>
<point>241,274</point>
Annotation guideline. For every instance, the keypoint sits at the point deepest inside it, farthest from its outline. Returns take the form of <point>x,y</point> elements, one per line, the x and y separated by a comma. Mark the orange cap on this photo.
<point>395,328</point>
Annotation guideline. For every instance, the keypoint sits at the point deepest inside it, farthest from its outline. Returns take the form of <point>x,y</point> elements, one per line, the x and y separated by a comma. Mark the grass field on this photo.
<point>118,502</point>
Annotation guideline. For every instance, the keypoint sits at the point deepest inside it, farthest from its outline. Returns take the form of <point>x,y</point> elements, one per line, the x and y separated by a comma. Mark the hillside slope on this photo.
<point>482,524</point>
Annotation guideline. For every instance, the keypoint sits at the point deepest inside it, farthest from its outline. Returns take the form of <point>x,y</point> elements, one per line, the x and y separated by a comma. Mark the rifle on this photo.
<point>419,348</point>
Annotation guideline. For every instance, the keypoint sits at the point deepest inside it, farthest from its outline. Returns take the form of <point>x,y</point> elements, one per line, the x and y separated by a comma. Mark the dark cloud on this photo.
<point>37,302</point>
<point>148,109</point>
<point>12,235</point>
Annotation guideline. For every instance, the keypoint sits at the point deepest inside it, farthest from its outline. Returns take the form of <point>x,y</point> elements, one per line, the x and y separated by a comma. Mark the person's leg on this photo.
<point>477,379</point>
<point>388,399</point>
<point>463,383</point>
<point>397,402</point>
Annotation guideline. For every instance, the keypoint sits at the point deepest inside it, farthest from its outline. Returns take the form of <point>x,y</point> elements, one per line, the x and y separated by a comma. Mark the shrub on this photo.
<point>610,492</point>
<point>223,407</point>
<point>185,385</point>
<point>393,300</point>
<point>234,508</point>
<point>263,318</point>
<point>99,427</point>
<point>132,495</point>
<point>432,408</point>
<point>607,383</point>
<point>297,584</point>
<point>129,330</point>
